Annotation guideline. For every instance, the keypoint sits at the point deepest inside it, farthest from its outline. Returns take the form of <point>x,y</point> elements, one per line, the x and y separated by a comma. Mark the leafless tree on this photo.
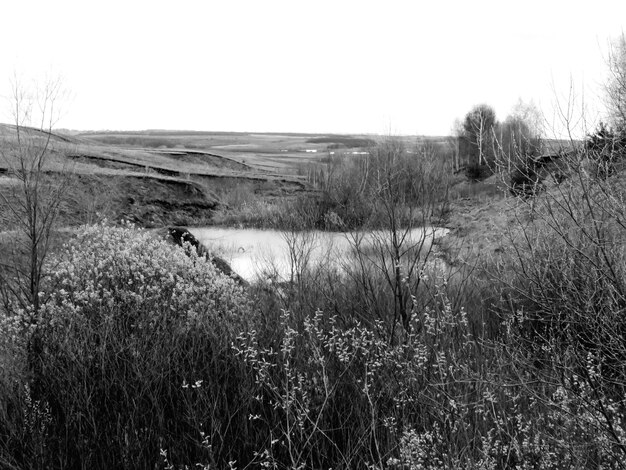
<point>530,114</point>
<point>408,193</point>
<point>31,196</point>
<point>616,84</point>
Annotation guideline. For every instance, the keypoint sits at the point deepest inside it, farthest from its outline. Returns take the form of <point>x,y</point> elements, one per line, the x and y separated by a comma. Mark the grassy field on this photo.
<point>268,152</point>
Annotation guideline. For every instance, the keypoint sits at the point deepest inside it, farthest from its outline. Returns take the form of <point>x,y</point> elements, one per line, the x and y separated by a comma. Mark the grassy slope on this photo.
<point>488,218</point>
<point>149,186</point>
<point>480,227</point>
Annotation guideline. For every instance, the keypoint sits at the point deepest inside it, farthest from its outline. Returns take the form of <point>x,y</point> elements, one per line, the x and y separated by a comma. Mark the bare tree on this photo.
<point>408,192</point>
<point>616,84</point>
<point>516,146</point>
<point>530,115</point>
<point>31,197</point>
<point>457,134</point>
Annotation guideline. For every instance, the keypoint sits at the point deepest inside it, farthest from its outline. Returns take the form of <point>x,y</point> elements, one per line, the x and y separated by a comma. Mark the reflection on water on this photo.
<point>255,253</point>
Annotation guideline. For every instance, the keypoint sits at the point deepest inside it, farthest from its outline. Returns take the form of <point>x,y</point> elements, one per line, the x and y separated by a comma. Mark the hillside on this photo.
<point>149,186</point>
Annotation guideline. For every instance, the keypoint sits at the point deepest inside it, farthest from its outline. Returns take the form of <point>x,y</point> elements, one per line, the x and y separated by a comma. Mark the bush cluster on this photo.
<point>356,191</point>
<point>130,353</point>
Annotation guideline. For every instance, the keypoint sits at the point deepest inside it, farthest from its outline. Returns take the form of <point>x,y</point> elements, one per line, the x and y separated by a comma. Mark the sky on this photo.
<point>383,67</point>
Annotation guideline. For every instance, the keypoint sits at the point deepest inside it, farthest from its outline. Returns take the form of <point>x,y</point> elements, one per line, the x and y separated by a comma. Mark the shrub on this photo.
<point>337,394</point>
<point>477,172</point>
<point>359,189</point>
<point>524,181</point>
<point>135,356</point>
<point>563,276</point>
<point>606,148</point>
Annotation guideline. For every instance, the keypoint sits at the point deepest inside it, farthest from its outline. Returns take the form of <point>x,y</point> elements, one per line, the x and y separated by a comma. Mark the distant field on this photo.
<point>276,152</point>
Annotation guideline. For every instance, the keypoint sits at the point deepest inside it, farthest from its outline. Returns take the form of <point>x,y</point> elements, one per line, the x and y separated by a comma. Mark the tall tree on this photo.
<point>516,140</point>
<point>478,128</point>
<point>530,115</point>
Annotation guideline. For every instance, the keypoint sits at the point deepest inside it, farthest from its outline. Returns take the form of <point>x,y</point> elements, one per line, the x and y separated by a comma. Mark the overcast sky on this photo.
<point>400,67</point>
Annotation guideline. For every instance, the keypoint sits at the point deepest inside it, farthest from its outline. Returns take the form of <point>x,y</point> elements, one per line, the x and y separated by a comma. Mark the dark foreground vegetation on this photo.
<point>122,350</point>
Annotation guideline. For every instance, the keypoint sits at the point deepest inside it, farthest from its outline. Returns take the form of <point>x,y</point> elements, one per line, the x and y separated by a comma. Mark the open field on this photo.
<point>265,152</point>
<point>281,152</point>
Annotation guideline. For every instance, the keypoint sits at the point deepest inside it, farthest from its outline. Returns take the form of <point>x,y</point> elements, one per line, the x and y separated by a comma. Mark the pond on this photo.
<point>280,255</point>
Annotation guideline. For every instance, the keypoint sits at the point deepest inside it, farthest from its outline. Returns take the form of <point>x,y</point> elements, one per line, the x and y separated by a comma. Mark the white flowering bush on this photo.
<point>130,321</point>
<point>128,273</point>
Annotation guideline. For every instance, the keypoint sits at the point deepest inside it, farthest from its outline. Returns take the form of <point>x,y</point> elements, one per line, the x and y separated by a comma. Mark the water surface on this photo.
<point>258,253</point>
